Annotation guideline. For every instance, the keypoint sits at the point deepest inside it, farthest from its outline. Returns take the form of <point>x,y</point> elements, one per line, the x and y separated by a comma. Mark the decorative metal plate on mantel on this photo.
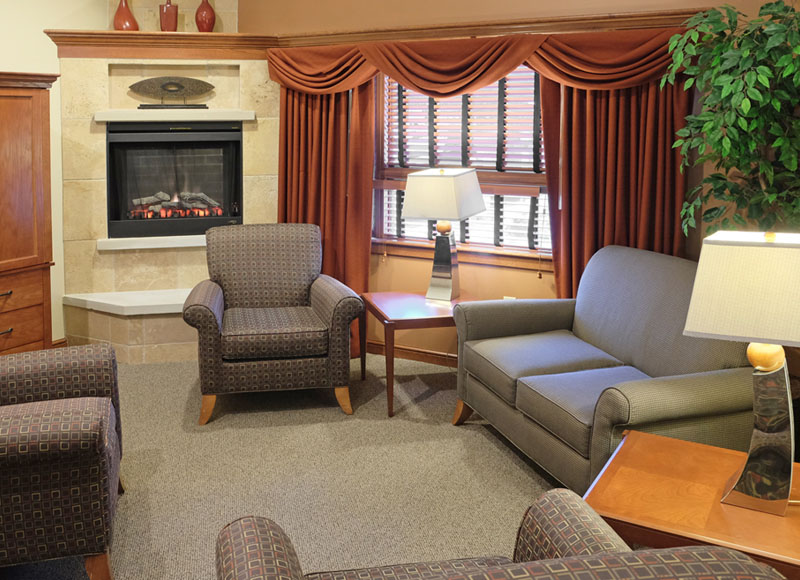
<point>171,87</point>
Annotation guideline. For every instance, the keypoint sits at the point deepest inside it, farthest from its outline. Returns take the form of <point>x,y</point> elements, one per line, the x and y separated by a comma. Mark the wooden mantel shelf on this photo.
<point>237,46</point>
<point>173,45</point>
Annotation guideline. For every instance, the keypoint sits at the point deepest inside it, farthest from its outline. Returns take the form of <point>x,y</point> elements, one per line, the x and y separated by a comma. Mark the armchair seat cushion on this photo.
<point>417,571</point>
<point>273,333</point>
<point>499,362</point>
<point>564,403</point>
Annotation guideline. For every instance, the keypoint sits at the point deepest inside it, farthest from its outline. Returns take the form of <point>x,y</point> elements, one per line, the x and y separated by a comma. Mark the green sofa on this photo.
<point>562,379</point>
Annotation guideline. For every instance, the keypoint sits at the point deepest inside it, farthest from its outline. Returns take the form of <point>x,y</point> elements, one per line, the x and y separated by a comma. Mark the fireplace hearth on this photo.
<point>173,178</point>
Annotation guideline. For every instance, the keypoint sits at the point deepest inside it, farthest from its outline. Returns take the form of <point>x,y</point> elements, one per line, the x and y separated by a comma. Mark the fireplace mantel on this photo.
<point>172,115</point>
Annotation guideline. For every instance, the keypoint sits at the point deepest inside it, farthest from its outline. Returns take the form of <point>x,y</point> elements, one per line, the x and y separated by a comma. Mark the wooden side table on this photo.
<point>663,492</point>
<point>400,311</point>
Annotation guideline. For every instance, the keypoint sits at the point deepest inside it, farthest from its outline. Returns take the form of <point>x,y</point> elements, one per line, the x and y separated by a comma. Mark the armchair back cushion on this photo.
<point>632,304</point>
<point>265,265</point>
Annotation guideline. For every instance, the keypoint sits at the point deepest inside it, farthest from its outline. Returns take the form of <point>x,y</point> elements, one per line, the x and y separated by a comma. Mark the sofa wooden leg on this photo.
<point>463,412</point>
<point>98,567</point>
<point>343,398</point>
<point>206,408</point>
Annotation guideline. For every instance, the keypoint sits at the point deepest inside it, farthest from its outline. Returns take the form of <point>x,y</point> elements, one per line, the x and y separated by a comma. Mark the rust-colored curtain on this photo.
<point>613,177</point>
<point>326,146</point>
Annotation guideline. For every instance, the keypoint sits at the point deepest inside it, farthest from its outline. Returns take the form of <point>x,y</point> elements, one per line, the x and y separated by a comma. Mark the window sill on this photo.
<point>468,254</point>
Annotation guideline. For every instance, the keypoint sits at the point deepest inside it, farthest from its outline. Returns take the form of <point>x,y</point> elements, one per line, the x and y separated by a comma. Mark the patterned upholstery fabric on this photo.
<point>255,548</point>
<point>558,525</point>
<point>267,319</point>
<point>264,265</point>
<point>59,454</point>
<point>293,331</point>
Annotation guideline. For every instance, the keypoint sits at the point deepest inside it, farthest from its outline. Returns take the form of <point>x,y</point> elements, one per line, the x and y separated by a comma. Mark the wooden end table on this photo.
<point>663,492</point>
<point>400,311</point>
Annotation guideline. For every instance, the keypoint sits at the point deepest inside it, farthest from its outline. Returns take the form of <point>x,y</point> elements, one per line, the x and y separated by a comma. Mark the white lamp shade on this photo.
<point>443,194</point>
<point>747,289</point>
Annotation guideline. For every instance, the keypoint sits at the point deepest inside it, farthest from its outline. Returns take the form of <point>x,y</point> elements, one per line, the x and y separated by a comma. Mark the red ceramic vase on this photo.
<point>205,17</point>
<point>169,16</point>
<point>123,17</point>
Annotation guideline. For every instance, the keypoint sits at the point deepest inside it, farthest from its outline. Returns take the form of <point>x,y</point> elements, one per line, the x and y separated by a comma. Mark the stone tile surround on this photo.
<point>90,85</point>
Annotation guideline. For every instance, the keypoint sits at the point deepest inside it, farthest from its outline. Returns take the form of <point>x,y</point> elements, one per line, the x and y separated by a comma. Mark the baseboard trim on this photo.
<point>60,343</point>
<point>417,354</point>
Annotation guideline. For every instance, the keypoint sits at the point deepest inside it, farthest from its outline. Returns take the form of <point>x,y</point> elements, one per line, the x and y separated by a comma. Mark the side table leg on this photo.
<point>362,342</point>
<point>388,333</point>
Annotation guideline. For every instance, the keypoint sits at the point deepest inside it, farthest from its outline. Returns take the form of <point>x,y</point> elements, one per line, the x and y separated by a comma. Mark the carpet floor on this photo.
<point>350,491</point>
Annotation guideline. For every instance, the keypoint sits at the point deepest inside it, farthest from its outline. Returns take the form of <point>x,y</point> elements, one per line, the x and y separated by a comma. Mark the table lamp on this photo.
<point>443,195</point>
<point>747,288</point>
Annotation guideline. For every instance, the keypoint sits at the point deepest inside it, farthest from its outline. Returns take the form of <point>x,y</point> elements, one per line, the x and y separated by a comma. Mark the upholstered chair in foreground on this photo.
<point>267,319</point>
<point>60,450</point>
<point>560,537</point>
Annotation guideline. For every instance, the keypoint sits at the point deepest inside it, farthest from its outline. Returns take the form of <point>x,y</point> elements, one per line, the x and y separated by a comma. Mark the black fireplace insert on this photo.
<point>168,179</point>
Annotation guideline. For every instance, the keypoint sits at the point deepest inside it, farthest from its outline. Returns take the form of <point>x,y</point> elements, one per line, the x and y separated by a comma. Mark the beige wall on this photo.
<point>25,48</point>
<point>146,14</point>
<point>312,16</point>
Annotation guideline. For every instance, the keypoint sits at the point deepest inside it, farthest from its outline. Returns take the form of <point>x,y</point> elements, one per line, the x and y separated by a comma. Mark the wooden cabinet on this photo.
<point>26,252</point>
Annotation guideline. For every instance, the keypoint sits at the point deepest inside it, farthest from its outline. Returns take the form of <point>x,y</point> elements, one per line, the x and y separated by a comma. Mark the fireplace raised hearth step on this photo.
<point>132,303</point>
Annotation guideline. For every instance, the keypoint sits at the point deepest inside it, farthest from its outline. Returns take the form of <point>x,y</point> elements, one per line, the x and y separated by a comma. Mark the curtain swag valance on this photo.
<point>447,68</point>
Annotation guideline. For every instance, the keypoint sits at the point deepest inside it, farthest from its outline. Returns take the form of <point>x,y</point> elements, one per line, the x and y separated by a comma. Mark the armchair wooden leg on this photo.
<point>206,408</point>
<point>463,412</point>
<point>98,567</point>
<point>343,398</point>
<point>120,486</point>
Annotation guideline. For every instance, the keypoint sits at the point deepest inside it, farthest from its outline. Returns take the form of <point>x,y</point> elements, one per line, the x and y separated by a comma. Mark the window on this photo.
<point>496,130</point>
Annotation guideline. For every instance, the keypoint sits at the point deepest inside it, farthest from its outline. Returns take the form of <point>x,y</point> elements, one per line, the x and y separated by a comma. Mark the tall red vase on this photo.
<point>205,17</point>
<point>123,17</point>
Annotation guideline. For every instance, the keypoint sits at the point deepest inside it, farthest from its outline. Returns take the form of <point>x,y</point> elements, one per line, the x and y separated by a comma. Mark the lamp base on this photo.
<point>765,481</point>
<point>444,277</point>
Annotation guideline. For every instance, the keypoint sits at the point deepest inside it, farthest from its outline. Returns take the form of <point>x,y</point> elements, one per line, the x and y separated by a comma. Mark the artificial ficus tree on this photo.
<point>747,77</point>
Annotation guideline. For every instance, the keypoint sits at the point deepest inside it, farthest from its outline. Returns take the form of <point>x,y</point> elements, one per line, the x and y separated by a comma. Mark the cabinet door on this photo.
<point>24,178</point>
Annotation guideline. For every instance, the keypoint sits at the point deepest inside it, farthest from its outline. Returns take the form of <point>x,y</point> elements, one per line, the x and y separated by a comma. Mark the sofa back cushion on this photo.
<point>264,265</point>
<point>633,304</point>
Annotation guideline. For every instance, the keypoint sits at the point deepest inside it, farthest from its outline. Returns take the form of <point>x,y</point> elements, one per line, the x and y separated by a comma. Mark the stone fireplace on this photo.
<point>128,289</point>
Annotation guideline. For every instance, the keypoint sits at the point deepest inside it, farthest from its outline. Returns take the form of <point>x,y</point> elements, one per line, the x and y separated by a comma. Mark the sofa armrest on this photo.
<point>204,307</point>
<point>254,547</point>
<point>687,563</point>
<point>61,373</point>
<point>494,318</point>
<point>337,305</point>
<point>561,524</point>
<point>47,432</point>
<point>681,398</point>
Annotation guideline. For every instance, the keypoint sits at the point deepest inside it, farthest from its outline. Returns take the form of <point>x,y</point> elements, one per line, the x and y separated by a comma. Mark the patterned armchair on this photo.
<point>267,319</point>
<point>60,450</point>
<point>560,537</point>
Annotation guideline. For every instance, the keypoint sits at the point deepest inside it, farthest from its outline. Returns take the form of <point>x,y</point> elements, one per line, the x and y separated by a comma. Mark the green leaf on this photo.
<point>742,123</point>
<point>763,80</point>
<point>776,40</point>
<point>754,94</point>
<point>745,105</point>
<point>750,78</point>
<point>688,84</point>
<point>739,219</point>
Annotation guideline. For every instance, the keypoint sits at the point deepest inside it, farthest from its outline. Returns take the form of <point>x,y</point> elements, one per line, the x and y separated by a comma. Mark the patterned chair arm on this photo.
<point>61,373</point>
<point>561,524</point>
<point>204,307</point>
<point>686,563</point>
<point>47,432</point>
<point>255,548</point>
<point>337,305</point>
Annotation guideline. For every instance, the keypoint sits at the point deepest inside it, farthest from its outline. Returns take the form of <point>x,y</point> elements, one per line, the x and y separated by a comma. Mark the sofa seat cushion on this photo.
<point>564,403</point>
<point>499,362</point>
<point>273,333</point>
<point>462,568</point>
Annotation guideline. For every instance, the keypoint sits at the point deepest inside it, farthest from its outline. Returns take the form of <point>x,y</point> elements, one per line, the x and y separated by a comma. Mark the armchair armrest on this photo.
<point>49,432</point>
<point>494,318</point>
<point>561,524</point>
<point>61,373</point>
<point>680,398</point>
<point>204,307</point>
<point>255,547</point>
<point>337,305</point>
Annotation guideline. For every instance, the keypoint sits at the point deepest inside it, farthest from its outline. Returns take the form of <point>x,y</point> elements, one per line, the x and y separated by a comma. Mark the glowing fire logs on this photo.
<point>180,205</point>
